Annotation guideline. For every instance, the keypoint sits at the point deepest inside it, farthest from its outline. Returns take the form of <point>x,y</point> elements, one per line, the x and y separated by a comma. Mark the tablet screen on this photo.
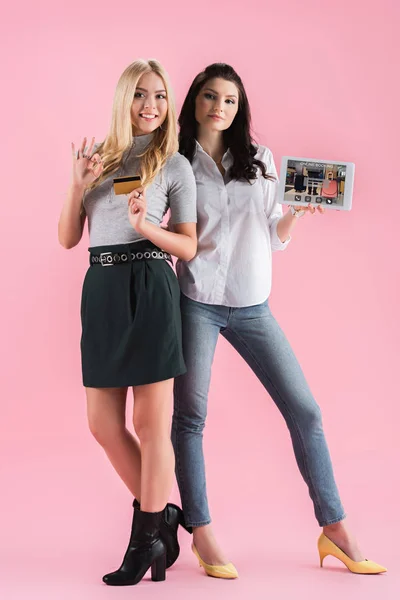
<point>316,182</point>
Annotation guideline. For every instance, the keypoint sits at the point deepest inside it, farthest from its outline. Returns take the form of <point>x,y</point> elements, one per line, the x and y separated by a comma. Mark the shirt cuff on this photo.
<point>276,243</point>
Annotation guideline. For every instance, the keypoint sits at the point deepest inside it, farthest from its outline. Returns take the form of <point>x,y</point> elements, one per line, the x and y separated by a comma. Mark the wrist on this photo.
<point>143,228</point>
<point>296,212</point>
<point>78,186</point>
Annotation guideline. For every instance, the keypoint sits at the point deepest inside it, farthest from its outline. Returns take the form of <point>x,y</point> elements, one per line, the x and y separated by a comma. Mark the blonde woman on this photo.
<point>131,328</point>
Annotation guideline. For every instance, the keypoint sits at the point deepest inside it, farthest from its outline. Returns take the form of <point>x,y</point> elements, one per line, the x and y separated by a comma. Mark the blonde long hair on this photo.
<point>120,138</point>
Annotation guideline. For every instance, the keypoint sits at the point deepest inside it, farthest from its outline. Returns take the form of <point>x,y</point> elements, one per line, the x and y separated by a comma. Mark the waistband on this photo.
<point>119,254</point>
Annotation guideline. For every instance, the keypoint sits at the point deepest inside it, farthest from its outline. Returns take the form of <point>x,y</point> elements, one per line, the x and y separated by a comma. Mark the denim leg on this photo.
<point>201,324</point>
<point>256,335</point>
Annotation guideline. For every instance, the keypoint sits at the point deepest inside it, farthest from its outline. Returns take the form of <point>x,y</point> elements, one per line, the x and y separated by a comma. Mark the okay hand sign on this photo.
<point>86,168</point>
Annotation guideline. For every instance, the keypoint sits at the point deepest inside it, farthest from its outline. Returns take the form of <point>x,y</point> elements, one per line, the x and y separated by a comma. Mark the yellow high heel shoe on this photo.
<point>227,571</point>
<point>364,567</point>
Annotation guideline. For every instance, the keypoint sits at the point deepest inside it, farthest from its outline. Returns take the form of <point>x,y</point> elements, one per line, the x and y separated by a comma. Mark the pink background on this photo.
<point>322,79</point>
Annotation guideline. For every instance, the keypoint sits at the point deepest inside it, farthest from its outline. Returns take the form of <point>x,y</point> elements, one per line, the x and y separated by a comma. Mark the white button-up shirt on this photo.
<point>236,229</point>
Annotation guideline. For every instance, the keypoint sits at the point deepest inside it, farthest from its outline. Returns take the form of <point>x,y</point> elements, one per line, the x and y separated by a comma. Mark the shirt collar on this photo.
<point>227,158</point>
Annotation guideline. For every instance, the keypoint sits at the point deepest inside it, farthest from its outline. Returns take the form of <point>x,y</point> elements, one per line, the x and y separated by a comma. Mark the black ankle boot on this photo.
<point>145,550</point>
<point>171,519</point>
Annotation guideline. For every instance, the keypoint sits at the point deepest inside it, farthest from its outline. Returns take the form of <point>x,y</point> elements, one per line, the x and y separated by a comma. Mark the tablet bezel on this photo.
<point>348,188</point>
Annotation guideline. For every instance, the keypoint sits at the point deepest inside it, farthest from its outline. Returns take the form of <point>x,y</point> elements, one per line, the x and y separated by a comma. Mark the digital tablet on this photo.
<point>328,183</point>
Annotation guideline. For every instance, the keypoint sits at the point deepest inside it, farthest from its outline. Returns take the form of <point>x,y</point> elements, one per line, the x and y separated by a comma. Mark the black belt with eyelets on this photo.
<point>110,259</point>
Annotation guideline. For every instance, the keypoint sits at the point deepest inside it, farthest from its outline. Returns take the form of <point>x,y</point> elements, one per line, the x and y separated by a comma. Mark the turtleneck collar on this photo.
<point>140,142</point>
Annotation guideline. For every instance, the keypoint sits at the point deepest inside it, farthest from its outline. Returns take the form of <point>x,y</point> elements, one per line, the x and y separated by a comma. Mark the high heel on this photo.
<point>364,567</point>
<point>158,569</point>
<point>227,571</point>
<point>321,558</point>
<point>145,550</point>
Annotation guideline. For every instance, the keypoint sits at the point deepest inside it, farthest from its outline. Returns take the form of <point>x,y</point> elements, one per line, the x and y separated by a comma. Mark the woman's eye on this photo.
<point>230,101</point>
<point>139,95</point>
<point>161,96</point>
<point>209,96</point>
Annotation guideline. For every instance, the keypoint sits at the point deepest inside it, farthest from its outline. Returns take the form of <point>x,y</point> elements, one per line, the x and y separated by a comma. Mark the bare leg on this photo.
<point>152,411</point>
<point>339,535</point>
<point>106,417</point>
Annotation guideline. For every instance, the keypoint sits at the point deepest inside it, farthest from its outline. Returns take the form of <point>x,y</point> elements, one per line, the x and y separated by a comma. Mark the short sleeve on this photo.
<point>181,190</point>
<point>272,208</point>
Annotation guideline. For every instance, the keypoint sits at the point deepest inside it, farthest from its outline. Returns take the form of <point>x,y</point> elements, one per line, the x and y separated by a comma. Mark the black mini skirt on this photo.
<point>131,321</point>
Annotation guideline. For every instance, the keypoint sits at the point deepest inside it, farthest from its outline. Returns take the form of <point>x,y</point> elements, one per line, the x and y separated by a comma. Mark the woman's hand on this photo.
<point>288,221</point>
<point>85,167</point>
<point>137,207</point>
<point>310,209</point>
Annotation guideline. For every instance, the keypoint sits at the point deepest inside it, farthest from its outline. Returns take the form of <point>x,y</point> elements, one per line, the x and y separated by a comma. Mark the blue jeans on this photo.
<point>256,335</point>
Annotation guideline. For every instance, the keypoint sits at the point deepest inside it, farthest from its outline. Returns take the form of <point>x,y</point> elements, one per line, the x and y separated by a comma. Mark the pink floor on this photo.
<point>70,525</point>
<point>278,576</point>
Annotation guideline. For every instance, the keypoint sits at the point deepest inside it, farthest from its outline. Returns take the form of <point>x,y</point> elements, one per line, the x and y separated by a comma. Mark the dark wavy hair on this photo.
<point>237,137</point>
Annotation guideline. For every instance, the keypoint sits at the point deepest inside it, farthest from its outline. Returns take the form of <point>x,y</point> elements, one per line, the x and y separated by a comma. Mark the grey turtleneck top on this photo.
<point>174,188</point>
